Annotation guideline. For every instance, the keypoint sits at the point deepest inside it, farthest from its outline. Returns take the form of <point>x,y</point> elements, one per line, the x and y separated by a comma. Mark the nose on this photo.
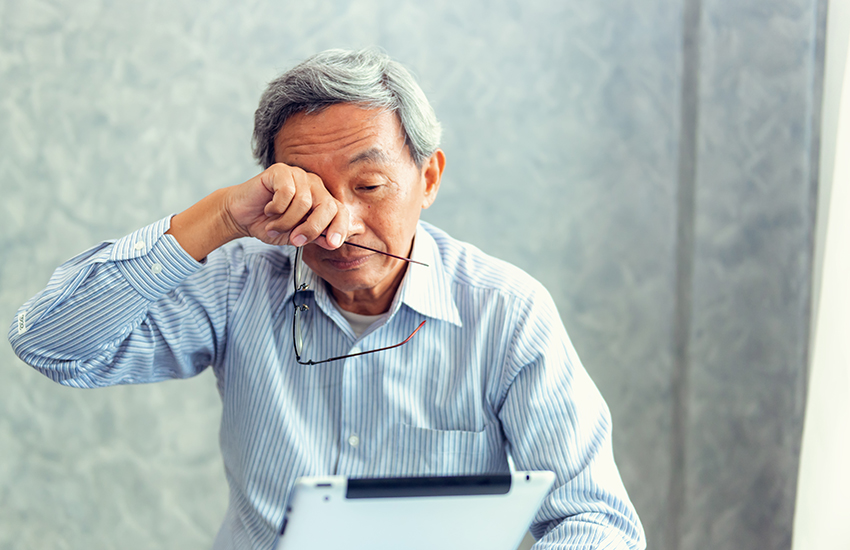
<point>336,184</point>
<point>356,222</point>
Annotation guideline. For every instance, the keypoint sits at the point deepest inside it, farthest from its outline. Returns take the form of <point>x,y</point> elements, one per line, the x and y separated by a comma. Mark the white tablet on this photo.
<point>413,513</point>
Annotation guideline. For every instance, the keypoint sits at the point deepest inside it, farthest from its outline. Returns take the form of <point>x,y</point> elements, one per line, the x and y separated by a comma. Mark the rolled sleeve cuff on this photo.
<point>152,262</point>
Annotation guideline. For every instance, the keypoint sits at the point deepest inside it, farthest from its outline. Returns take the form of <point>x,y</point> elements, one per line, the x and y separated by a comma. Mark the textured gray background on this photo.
<point>650,161</point>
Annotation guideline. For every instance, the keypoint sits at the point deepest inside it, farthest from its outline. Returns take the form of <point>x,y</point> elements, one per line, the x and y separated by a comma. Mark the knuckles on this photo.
<point>301,201</point>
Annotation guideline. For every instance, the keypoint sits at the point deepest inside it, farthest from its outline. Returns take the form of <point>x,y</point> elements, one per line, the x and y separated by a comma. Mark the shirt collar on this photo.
<point>426,290</point>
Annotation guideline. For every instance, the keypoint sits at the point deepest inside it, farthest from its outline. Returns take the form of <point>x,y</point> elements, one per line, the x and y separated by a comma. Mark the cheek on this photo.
<point>390,224</point>
<point>309,258</point>
<point>393,218</point>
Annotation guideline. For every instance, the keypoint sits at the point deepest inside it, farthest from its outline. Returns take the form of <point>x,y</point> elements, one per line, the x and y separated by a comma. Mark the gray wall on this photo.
<point>651,162</point>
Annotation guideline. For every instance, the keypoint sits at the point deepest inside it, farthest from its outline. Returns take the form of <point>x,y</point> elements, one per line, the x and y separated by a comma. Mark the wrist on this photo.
<point>228,228</point>
<point>204,226</point>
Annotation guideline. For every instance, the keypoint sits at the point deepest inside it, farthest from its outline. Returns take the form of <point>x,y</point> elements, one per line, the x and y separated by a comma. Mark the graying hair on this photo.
<point>367,77</point>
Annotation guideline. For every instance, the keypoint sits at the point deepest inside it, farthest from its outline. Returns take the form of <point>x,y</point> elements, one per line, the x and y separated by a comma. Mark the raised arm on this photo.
<point>144,308</point>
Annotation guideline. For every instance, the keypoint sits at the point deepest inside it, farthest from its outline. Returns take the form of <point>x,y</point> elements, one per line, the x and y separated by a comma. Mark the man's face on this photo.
<point>361,157</point>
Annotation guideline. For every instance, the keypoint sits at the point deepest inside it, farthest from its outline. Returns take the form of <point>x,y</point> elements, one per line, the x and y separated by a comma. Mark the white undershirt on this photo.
<point>359,323</point>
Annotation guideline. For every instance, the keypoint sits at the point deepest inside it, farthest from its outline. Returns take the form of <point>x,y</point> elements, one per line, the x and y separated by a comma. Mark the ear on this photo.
<point>432,173</point>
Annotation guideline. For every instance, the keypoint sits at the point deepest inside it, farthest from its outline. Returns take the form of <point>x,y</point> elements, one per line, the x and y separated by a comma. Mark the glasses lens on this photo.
<point>297,331</point>
<point>298,322</point>
<point>298,275</point>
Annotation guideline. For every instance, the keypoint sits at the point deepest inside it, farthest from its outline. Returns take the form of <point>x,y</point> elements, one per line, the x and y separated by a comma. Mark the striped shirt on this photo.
<point>492,365</point>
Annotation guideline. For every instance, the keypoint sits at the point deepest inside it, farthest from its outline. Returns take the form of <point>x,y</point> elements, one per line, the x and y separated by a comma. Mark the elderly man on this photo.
<point>346,336</point>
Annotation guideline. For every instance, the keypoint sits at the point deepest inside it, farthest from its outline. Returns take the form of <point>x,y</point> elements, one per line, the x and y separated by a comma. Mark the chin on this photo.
<point>348,281</point>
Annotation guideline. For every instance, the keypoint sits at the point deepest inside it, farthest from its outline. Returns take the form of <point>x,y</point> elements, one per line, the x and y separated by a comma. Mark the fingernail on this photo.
<point>298,240</point>
<point>335,239</point>
<point>273,233</point>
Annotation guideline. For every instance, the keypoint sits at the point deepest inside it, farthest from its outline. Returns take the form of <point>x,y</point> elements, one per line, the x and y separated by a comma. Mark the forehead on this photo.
<point>340,134</point>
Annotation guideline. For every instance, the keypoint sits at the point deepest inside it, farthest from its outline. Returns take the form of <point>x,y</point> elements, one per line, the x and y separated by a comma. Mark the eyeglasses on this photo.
<point>297,323</point>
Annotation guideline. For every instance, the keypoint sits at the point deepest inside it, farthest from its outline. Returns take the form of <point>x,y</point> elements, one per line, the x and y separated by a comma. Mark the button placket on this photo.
<point>351,437</point>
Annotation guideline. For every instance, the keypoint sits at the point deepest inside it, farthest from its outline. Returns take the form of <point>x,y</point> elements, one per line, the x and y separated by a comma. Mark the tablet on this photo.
<point>413,513</point>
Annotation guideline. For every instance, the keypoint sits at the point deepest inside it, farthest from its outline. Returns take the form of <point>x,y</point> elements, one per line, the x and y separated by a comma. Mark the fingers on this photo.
<point>314,224</point>
<point>335,229</point>
<point>302,207</point>
<point>290,206</point>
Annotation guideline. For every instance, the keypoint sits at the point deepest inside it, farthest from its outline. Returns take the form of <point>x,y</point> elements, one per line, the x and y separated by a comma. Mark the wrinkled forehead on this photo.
<point>344,132</point>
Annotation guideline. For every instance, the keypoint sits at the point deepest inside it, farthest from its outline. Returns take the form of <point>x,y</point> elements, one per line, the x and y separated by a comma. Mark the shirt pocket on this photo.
<point>425,451</point>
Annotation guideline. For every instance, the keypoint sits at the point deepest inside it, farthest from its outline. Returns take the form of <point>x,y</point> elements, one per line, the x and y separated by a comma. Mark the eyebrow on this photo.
<point>374,154</point>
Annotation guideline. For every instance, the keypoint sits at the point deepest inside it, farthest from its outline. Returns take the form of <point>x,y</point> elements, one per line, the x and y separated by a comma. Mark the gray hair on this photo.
<point>366,77</point>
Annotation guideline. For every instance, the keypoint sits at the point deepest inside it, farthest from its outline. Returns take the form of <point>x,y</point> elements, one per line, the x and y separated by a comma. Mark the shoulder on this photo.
<point>466,265</point>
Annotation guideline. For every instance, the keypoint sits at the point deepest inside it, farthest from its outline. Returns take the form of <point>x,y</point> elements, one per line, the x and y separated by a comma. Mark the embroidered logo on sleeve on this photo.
<point>22,322</point>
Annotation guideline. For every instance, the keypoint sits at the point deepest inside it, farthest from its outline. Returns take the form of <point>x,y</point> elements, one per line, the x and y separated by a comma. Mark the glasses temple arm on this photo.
<point>379,252</point>
<point>406,340</point>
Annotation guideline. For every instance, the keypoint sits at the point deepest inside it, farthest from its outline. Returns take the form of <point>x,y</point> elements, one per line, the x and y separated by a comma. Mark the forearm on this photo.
<point>97,301</point>
<point>588,532</point>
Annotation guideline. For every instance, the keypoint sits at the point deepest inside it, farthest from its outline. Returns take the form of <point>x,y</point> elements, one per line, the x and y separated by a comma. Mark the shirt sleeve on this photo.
<point>136,310</point>
<point>555,419</point>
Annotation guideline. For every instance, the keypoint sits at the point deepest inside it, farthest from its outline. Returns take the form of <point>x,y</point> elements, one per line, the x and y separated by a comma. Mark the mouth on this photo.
<point>345,263</point>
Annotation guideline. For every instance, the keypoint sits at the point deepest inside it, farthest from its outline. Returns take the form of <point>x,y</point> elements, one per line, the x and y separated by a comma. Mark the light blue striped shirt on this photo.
<point>492,363</point>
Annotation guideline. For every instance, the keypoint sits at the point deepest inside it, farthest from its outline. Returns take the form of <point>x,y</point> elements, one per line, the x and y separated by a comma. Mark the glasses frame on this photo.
<point>299,309</point>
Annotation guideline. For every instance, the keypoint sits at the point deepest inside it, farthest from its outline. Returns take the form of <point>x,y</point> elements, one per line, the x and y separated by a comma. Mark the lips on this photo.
<point>347,262</point>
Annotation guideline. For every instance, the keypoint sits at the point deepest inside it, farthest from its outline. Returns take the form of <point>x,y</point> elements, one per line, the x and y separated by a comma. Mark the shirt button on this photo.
<point>353,440</point>
<point>140,245</point>
<point>156,269</point>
